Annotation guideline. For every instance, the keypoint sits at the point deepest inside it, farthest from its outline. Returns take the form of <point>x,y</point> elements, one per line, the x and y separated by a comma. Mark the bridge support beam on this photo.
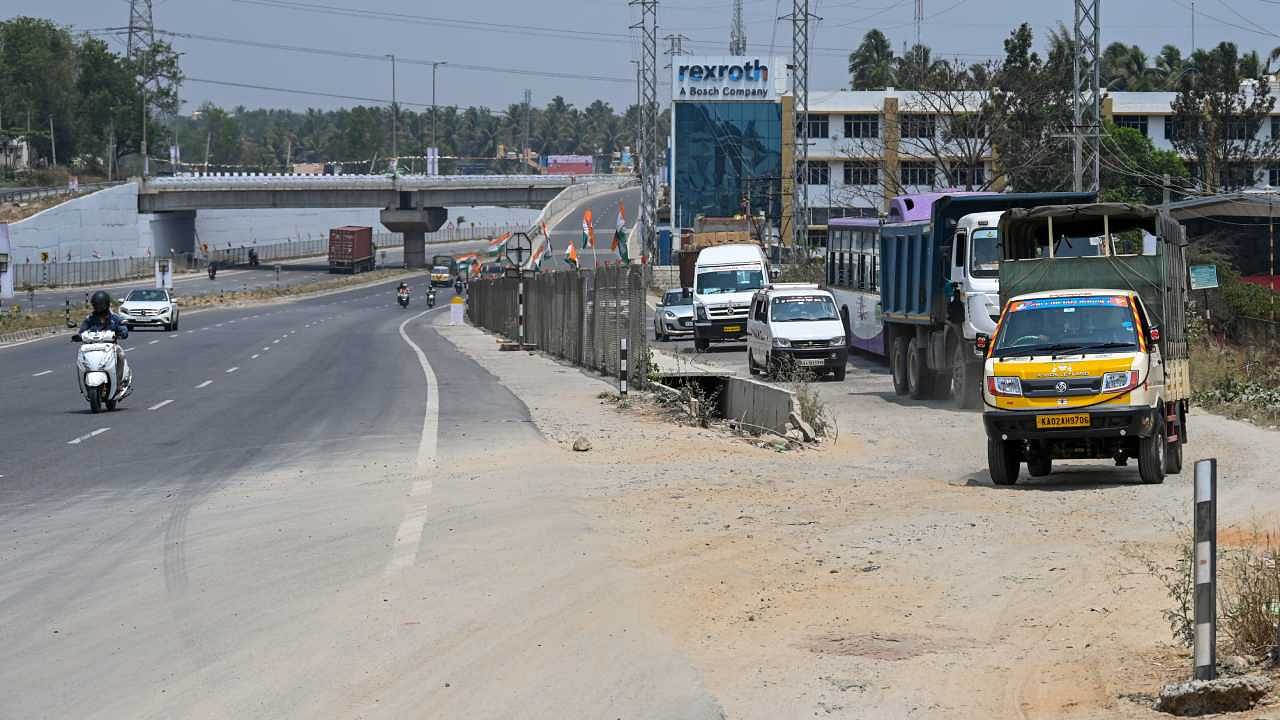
<point>414,224</point>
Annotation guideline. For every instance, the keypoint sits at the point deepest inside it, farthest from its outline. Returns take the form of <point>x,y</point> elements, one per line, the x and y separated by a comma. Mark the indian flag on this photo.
<point>588,231</point>
<point>535,261</point>
<point>571,255</point>
<point>546,234</point>
<point>620,237</point>
<point>499,243</point>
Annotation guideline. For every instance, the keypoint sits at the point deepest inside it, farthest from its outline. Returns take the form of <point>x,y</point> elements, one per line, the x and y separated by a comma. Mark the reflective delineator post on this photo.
<point>520,309</point>
<point>622,366</point>
<point>1206,568</point>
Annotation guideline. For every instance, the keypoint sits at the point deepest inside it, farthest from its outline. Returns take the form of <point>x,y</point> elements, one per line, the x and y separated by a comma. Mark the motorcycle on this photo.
<point>213,270</point>
<point>253,258</point>
<point>402,297</point>
<point>102,373</point>
<point>431,297</point>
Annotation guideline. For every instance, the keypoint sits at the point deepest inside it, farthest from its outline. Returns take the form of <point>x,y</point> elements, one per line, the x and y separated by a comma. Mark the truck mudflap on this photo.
<point>1070,425</point>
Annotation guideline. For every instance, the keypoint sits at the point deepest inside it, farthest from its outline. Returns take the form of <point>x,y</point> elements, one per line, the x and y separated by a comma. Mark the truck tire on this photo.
<point>1002,461</point>
<point>919,381</point>
<point>965,387</point>
<point>1151,454</point>
<point>701,345</point>
<point>1173,452</point>
<point>1039,465</point>
<point>898,365</point>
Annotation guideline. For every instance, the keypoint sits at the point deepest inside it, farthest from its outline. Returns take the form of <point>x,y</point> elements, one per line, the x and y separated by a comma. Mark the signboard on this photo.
<point>164,273</point>
<point>728,78</point>
<point>1204,277</point>
<point>6,265</point>
<point>570,165</point>
<point>519,249</point>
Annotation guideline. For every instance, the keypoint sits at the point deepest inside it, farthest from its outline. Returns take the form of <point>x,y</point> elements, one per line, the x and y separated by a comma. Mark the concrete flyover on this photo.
<point>411,204</point>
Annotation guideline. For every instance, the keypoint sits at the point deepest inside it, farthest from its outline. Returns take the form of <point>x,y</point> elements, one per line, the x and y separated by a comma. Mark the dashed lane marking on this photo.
<point>159,405</point>
<point>153,342</point>
<point>42,372</point>
<point>206,383</point>
<point>86,436</point>
<point>254,356</point>
<point>232,369</point>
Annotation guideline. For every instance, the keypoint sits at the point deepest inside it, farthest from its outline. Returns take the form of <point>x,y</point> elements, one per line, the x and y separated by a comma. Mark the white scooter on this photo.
<point>99,365</point>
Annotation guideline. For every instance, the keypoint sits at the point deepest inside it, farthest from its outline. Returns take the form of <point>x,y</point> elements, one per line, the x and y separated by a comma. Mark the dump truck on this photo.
<point>350,249</point>
<point>1089,358</point>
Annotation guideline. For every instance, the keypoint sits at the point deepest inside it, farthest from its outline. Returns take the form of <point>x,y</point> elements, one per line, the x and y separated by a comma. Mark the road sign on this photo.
<point>519,249</point>
<point>44,257</point>
<point>1204,277</point>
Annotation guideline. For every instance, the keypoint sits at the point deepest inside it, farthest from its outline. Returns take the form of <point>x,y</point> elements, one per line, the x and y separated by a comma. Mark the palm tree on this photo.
<point>1124,67</point>
<point>1169,66</point>
<point>871,66</point>
<point>916,68</point>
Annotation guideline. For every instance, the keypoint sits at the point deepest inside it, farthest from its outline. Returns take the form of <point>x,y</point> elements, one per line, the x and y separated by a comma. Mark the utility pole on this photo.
<point>737,31</point>
<point>208,137</point>
<point>142,36</point>
<point>395,147</point>
<point>1086,99</point>
<point>528,120</point>
<point>800,17</point>
<point>53,142</point>
<point>648,151</point>
<point>434,67</point>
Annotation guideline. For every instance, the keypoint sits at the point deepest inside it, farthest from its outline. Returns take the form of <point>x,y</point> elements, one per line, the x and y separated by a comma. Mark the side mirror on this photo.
<point>1155,335</point>
<point>982,341</point>
<point>774,273</point>
<point>75,338</point>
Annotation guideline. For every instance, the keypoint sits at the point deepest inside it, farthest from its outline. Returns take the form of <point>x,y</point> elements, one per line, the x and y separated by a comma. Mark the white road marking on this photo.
<point>218,325</point>
<point>153,342</point>
<point>232,369</point>
<point>42,372</point>
<point>82,438</point>
<point>174,335</point>
<point>273,342</point>
<point>254,356</point>
<point>404,552</point>
<point>266,349</point>
<point>159,405</point>
<point>190,331</point>
<point>206,383</point>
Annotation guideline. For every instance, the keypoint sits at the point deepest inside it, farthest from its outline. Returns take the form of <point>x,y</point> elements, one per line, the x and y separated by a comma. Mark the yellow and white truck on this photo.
<point>1089,358</point>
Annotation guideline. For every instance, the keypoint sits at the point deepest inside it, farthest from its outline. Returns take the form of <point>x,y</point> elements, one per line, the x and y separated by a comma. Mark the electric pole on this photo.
<point>142,36</point>
<point>434,66</point>
<point>648,135</point>
<point>737,31</point>
<point>395,144</point>
<point>1086,100</point>
<point>528,119</point>
<point>800,17</point>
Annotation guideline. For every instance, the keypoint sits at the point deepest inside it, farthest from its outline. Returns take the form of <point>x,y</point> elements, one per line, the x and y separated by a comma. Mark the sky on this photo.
<point>586,41</point>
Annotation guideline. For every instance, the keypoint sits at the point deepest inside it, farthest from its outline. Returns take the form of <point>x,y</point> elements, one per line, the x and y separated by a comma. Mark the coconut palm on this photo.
<point>871,66</point>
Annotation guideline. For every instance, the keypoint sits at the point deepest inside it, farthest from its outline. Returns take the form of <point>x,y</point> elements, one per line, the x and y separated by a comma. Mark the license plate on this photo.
<point>810,363</point>
<point>1062,420</point>
<point>732,328</point>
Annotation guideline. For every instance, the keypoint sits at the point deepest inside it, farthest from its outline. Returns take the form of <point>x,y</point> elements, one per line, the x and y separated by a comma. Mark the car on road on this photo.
<point>150,306</point>
<point>673,317</point>
<point>796,325</point>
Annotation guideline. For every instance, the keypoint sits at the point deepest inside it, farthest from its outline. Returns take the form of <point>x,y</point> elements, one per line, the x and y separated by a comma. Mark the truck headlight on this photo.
<point>701,311</point>
<point>1004,386</point>
<point>1118,381</point>
<point>837,341</point>
<point>781,342</point>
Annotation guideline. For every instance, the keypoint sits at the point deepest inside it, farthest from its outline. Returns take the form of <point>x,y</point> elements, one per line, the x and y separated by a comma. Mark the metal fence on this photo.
<point>579,316</point>
<point>26,194</point>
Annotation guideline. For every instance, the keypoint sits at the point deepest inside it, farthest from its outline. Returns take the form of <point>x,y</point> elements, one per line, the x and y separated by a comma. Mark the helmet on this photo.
<point>100,301</point>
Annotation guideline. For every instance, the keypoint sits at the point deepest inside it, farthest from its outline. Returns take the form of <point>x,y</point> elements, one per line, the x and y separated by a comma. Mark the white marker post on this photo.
<point>520,308</point>
<point>622,366</point>
<point>1206,568</point>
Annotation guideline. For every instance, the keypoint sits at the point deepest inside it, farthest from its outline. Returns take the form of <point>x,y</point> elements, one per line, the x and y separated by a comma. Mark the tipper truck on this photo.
<point>937,290</point>
<point>350,249</point>
<point>1089,359</point>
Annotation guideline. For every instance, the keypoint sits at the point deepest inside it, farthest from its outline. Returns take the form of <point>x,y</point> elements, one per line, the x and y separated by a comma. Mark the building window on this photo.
<point>1240,129</point>
<point>1235,175</point>
<point>1133,122</point>
<point>1273,174</point>
<point>816,173</point>
<point>969,176</point>
<point>818,126</point>
<point>916,125</point>
<point>1174,129</point>
<point>862,126</point>
<point>917,174</point>
<point>861,173</point>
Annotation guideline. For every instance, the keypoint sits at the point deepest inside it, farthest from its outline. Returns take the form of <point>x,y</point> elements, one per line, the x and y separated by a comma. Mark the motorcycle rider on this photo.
<point>103,319</point>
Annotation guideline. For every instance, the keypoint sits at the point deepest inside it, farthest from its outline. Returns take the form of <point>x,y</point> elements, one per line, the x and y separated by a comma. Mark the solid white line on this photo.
<point>42,372</point>
<point>254,356</point>
<point>153,342</point>
<point>82,438</point>
<point>409,535</point>
<point>232,369</point>
<point>206,383</point>
<point>159,405</point>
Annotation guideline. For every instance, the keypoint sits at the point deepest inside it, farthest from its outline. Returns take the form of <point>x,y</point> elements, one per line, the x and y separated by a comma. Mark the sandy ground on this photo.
<point>884,576</point>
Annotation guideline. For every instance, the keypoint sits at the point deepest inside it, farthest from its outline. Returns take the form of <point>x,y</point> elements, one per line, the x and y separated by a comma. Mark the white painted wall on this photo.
<point>108,223</point>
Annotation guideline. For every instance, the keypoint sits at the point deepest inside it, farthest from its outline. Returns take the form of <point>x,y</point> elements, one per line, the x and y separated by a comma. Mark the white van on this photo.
<point>725,278</point>
<point>796,324</point>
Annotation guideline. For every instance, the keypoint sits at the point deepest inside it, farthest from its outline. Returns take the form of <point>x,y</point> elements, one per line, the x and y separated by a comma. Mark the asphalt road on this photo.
<point>604,209</point>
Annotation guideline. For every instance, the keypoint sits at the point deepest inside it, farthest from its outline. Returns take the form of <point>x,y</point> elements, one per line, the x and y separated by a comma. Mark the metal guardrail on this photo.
<point>579,316</point>
<point>26,194</point>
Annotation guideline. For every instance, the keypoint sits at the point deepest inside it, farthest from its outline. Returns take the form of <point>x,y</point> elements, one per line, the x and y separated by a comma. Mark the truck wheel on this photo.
<point>701,345</point>
<point>1173,459</point>
<point>898,365</point>
<point>965,380</point>
<point>1002,461</point>
<point>918,381</point>
<point>1151,455</point>
<point>751,363</point>
<point>839,373</point>
<point>1039,465</point>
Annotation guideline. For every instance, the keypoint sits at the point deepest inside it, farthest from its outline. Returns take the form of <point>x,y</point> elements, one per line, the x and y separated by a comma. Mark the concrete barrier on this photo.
<point>757,406</point>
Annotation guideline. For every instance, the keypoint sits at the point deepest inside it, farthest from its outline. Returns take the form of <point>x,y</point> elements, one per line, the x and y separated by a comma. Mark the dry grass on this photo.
<point>1243,383</point>
<point>13,212</point>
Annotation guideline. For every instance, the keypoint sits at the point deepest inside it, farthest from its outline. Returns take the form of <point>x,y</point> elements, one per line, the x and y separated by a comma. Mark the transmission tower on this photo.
<point>528,117</point>
<point>142,31</point>
<point>738,31</point>
<point>1086,115</point>
<point>675,46</point>
<point>800,17</point>
<point>648,135</point>
<point>919,18</point>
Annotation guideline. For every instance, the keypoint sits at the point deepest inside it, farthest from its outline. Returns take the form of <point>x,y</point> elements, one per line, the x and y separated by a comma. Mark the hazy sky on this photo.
<point>587,37</point>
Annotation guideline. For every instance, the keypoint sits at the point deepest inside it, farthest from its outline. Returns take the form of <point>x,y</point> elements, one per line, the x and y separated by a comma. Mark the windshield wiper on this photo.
<point>1104,346</point>
<point>1034,350</point>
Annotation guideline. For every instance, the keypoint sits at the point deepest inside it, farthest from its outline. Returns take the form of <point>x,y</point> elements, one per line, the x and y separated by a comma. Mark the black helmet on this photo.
<point>100,301</point>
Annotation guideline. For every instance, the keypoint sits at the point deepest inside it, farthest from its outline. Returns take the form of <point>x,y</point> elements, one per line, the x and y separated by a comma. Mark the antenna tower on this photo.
<point>1086,111</point>
<point>800,17</point>
<point>648,135</point>
<point>738,31</point>
<point>142,31</point>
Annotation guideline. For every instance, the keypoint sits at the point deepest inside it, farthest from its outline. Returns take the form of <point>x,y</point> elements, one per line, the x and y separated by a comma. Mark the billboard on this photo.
<point>727,78</point>
<point>570,164</point>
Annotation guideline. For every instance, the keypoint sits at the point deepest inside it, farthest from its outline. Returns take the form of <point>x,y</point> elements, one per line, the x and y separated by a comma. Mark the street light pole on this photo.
<point>434,67</point>
<point>395,148</point>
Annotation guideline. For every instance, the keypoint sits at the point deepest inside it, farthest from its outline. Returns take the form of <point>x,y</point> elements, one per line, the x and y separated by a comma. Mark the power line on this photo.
<point>316,93</point>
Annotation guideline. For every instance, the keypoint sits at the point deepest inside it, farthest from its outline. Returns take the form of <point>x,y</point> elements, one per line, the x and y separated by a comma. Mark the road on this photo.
<point>604,209</point>
<point>298,271</point>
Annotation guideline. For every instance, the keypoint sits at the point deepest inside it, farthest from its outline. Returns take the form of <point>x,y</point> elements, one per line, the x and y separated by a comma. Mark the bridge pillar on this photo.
<point>414,224</point>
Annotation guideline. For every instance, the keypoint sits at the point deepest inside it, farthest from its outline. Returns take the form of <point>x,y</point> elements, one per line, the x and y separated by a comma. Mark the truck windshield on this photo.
<point>801,308</point>
<point>440,269</point>
<point>1067,324</point>
<point>985,254</point>
<point>714,282</point>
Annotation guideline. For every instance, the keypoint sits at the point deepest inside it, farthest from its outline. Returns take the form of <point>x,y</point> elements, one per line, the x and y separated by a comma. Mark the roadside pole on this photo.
<point>520,307</point>
<point>519,247</point>
<point>1206,569</point>
<point>622,366</point>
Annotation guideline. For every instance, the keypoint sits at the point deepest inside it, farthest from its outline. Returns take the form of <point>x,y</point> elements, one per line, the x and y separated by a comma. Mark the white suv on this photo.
<point>796,324</point>
<point>150,307</point>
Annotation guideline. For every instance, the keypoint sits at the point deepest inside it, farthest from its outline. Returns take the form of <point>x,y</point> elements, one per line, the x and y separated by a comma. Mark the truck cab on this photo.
<point>725,277</point>
<point>975,274</point>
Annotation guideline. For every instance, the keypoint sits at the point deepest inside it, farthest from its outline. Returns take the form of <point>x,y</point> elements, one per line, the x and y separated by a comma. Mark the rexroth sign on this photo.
<point>727,78</point>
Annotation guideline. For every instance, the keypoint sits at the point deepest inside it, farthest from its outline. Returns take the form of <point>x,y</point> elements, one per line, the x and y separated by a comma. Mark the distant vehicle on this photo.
<point>1090,356</point>
<point>796,325</point>
<point>673,317</point>
<point>350,249</point>
<point>441,276</point>
<point>491,270</point>
<point>150,307</point>
<point>725,277</point>
<point>449,263</point>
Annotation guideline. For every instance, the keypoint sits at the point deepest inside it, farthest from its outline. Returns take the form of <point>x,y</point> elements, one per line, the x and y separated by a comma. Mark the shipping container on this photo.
<point>350,249</point>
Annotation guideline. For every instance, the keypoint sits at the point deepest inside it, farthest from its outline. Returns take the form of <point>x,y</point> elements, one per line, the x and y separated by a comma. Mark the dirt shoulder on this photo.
<point>885,576</point>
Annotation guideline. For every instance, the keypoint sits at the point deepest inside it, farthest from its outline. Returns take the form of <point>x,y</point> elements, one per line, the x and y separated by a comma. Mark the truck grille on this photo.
<point>1049,387</point>
<point>729,312</point>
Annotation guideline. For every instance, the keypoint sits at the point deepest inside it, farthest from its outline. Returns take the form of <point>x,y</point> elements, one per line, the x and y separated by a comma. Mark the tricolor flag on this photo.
<point>571,255</point>
<point>535,261</point>
<point>588,231</point>
<point>620,237</point>
<point>547,234</point>
<point>498,244</point>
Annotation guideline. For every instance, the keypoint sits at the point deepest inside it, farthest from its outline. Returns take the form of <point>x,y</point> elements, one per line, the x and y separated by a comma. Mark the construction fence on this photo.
<point>579,316</point>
